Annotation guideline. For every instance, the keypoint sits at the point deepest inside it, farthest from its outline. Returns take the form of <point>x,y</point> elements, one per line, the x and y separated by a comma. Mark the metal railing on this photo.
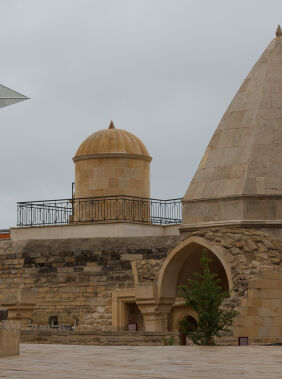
<point>99,209</point>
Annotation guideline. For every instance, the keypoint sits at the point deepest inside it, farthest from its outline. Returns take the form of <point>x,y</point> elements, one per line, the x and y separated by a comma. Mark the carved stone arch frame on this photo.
<point>167,278</point>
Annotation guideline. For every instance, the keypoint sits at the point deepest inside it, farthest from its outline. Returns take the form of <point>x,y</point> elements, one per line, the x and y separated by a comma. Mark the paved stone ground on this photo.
<point>122,362</point>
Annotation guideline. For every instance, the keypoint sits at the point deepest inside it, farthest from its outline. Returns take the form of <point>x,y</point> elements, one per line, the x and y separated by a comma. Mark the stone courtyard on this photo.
<point>121,362</point>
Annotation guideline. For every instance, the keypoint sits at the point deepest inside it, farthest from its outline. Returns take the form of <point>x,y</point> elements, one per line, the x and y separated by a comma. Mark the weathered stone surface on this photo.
<point>9,339</point>
<point>239,178</point>
<point>74,279</point>
<point>248,252</point>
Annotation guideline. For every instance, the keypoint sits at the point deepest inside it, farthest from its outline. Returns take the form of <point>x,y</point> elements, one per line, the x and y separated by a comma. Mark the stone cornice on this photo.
<point>112,155</point>
<point>233,197</point>
<point>232,223</point>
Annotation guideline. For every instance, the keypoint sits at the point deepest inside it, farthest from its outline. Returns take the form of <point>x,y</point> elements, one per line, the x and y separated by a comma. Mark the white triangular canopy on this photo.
<point>8,96</point>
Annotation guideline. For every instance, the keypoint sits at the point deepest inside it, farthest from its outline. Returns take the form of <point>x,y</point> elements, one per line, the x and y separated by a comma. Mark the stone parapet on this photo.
<point>98,230</point>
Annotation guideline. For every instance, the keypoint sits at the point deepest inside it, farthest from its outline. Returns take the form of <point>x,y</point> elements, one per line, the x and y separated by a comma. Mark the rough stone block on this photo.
<point>252,311</point>
<point>267,312</point>
<point>131,257</point>
<point>273,274</point>
<point>40,260</point>
<point>92,268</point>
<point>9,339</point>
<point>263,293</point>
<point>3,314</point>
<point>246,331</point>
<point>266,283</point>
<point>268,331</point>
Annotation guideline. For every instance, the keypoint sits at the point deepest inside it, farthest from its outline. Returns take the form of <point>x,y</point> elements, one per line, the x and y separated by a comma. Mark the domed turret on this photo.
<point>111,141</point>
<point>112,162</point>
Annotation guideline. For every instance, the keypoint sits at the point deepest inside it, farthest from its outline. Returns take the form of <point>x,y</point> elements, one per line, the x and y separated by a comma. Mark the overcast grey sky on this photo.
<point>163,70</point>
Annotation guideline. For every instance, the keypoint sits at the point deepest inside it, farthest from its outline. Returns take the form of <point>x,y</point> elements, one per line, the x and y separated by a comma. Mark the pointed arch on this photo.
<point>168,276</point>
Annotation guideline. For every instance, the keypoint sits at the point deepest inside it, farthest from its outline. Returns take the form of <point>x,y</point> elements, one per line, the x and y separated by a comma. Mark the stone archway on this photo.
<point>256,278</point>
<point>180,265</point>
<point>158,300</point>
<point>184,260</point>
<point>177,313</point>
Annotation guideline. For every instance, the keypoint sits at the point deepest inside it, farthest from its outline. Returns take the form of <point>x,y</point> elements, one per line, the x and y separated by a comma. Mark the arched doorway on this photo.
<point>185,325</point>
<point>180,265</point>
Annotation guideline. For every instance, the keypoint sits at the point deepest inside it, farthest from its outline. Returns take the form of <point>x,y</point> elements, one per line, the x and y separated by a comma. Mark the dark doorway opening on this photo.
<point>186,324</point>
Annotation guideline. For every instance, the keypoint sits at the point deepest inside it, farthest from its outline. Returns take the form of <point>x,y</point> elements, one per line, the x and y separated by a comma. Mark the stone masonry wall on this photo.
<point>248,253</point>
<point>74,279</point>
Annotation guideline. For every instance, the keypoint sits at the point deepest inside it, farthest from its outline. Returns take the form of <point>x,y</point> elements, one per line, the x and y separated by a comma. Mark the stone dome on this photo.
<point>111,142</point>
<point>112,162</point>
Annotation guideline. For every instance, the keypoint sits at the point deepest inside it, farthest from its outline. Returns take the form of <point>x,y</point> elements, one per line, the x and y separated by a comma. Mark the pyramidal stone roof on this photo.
<point>9,97</point>
<point>244,156</point>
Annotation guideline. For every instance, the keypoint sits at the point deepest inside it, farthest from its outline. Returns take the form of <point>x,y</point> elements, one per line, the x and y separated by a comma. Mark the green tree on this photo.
<point>205,295</point>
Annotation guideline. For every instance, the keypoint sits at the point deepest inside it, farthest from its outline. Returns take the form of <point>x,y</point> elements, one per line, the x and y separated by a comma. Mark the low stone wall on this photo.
<point>92,337</point>
<point>122,338</point>
<point>74,278</point>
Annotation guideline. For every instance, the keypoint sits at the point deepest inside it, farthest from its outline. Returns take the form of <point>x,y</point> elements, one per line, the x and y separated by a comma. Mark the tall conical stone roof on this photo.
<point>244,157</point>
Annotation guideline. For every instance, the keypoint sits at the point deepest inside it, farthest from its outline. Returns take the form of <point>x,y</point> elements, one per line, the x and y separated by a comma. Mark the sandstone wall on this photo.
<point>261,309</point>
<point>73,279</point>
<point>248,253</point>
<point>112,176</point>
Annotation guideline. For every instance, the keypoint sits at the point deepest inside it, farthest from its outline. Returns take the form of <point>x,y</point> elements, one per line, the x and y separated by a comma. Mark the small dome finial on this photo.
<point>279,31</point>
<point>111,126</point>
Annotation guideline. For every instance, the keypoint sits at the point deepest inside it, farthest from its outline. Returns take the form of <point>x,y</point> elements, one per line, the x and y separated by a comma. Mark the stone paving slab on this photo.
<point>154,362</point>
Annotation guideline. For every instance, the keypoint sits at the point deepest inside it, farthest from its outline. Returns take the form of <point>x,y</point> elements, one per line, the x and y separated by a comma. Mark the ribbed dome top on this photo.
<point>111,141</point>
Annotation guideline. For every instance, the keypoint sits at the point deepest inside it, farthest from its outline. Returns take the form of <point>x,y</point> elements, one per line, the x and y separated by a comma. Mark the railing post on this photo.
<point>31,215</point>
<point>104,210</point>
